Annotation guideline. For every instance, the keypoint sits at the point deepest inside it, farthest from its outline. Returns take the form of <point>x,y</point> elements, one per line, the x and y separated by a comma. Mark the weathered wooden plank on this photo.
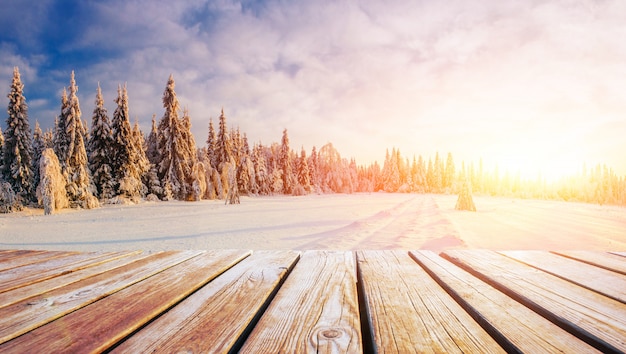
<point>315,311</point>
<point>409,312</point>
<point>16,295</point>
<point>213,319</point>
<point>593,278</point>
<point>36,272</point>
<point>23,316</point>
<point>22,258</point>
<point>597,319</point>
<point>96,327</point>
<point>621,254</point>
<point>604,260</point>
<point>516,327</point>
<point>99,326</point>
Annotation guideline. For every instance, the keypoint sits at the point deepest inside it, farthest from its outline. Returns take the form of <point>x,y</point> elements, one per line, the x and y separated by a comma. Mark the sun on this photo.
<point>548,161</point>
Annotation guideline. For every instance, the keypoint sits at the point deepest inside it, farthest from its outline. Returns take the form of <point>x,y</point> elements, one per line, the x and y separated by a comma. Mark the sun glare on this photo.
<point>541,161</point>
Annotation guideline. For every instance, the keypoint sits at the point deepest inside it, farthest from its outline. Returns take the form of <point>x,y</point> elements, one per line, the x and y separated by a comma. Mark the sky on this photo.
<point>532,85</point>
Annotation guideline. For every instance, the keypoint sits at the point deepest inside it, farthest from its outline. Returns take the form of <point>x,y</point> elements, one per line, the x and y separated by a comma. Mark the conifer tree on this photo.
<point>285,164</point>
<point>465,200</point>
<point>224,144</point>
<point>1,153</point>
<point>39,145</point>
<point>17,164</point>
<point>260,170</point>
<point>174,169</point>
<point>139,158</point>
<point>304,179</point>
<point>101,146</point>
<point>71,151</point>
<point>128,160</point>
<point>51,192</point>
<point>152,150</point>
<point>212,145</point>
<point>314,170</point>
<point>448,177</point>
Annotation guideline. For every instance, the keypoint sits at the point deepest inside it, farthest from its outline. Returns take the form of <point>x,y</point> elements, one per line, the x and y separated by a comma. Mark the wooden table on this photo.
<point>313,301</point>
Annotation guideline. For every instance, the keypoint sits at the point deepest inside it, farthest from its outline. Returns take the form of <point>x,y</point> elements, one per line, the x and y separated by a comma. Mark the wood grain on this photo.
<point>16,258</point>
<point>521,329</point>
<point>26,315</point>
<point>604,260</point>
<point>315,311</point>
<point>598,320</point>
<point>97,327</point>
<point>35,272</point>
<point>213,319</point>
<point>410,312</point>
<point>16,295</point>
<point>588,276</point>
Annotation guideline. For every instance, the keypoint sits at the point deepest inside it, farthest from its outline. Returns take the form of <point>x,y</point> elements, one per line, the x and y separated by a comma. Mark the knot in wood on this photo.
<point>331,333</point>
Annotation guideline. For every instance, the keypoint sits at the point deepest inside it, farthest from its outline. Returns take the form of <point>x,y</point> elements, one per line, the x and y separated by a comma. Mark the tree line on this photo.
<point>113,161</point>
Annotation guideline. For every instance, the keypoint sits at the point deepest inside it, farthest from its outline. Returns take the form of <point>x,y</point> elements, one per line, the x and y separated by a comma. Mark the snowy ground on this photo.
<point>342,222</point>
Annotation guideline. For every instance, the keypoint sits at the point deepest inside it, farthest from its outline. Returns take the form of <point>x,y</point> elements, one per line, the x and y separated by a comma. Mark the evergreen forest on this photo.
<point>111,161</point>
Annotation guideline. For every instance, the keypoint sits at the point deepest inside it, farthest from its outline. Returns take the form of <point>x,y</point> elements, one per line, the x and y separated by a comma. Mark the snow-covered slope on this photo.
<point>357,221</point>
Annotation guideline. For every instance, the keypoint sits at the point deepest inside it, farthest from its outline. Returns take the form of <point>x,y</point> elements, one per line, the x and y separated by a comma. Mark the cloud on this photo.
<point>368,75</point>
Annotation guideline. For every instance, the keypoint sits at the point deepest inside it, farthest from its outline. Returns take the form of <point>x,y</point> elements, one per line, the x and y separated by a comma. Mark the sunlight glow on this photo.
<point>545,160</point>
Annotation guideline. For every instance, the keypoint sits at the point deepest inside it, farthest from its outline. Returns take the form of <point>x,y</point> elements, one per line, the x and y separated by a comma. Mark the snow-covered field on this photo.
<point>337,221</point>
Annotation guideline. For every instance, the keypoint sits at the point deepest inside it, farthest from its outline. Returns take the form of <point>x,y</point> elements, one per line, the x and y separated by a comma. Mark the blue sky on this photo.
<point>526,84</point>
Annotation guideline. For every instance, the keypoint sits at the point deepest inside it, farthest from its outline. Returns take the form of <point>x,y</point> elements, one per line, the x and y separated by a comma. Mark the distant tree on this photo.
<point>1,151</point>
<point>465,200</point>
<point>101,146</point>
<point>449,170</point>
<point>71,151</point>
<point>224,149</point>
<point>261,172</point>
<point>304,177</point>
<point>39,145</point>
<point>51,192</point>
<point>212,145</point>
<point>314,171</point>
<point>139,157</point>
<point>17,164</point>
<point>191,157</point>
<point>152,149</point>
<point>286,165</point>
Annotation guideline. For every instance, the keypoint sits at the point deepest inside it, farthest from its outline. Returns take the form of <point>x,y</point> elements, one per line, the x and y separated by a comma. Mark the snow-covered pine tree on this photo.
<point>51,192</point>
<point>174,169</point>
<point>448,175</point>
<point>71,152</point>
<point>100,150</point>
<point>127,166</point>
<point>285,164</point>
<point>211,145</point>
<point>304,179</point>
<point>1,148</point>
<point>139,156</point>
<point>314,171</point>
<point>39,145</point>
<point>152,150</point>
<point>260,170</point>
<point>17,165</point>
<point>465,200</point>
<point>224,144</point>
<point>191,157</point>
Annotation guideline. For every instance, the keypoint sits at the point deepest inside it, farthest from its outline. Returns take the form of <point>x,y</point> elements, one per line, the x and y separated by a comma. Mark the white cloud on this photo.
<point>367,75</point>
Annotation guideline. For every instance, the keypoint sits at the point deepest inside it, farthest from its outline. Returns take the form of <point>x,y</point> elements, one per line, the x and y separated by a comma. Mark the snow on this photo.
<point>333,221</point>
